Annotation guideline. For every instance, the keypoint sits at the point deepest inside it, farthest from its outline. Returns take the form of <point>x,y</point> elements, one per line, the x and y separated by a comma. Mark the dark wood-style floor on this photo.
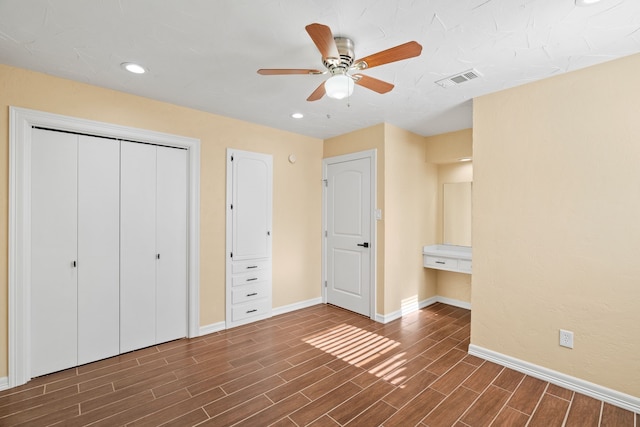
<point>320,366</point>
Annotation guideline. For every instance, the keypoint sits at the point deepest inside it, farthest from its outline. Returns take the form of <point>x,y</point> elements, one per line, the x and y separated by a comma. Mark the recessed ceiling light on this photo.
<point>586,2</point>
<point>133,67</point>
<point>297,115</point>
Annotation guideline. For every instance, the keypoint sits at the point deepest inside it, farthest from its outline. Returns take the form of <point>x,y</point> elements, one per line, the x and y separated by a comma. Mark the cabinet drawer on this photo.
<point>246,266</point>
<point>256,308</point>
<point>443,263</point>
<point>252,277</point>
<point>250,292</point>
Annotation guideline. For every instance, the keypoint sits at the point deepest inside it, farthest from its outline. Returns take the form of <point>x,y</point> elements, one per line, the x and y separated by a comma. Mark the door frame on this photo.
<point>21,121</point>
<point>371,155</point>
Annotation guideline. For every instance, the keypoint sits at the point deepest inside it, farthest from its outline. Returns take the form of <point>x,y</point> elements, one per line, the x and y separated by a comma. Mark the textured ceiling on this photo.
<point>204,54</point>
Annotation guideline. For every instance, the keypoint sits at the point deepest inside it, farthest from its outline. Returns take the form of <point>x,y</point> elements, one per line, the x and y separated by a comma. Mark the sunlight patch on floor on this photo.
<point>360,348</point>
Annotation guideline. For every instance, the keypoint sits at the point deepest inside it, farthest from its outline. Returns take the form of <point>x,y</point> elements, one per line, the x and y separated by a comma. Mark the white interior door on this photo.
<point>54,323</point>
<point>98,248</point>
<point>348,240</point>
<point>171,237</point>
<point>137,246</point>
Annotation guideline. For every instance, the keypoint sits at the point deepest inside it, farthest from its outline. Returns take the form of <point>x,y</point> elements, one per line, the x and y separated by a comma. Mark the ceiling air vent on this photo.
<point>456,79</point>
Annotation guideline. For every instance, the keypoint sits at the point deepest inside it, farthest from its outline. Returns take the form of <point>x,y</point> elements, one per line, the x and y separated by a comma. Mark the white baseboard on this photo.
<point>386,318</point>
<point>454,302</point>
<point>296,306</point>
<point>214,327</point>
<point>578,385</point>
<point>4,383</point>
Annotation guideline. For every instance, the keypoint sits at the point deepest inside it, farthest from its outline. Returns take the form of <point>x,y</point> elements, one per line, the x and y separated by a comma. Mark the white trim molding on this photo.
<point>296,306</point>
<point>410,308</point>
<point>210,329</point>
<point>578,385</point>
<point>4,383</point>
<point>21,123</point>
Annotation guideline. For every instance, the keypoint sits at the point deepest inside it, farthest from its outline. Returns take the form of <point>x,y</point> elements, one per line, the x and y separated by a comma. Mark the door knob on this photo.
<point>364,245</point>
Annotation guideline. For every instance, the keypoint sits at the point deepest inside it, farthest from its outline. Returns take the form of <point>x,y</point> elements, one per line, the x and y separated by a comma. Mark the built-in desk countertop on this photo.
<point>447,257</point>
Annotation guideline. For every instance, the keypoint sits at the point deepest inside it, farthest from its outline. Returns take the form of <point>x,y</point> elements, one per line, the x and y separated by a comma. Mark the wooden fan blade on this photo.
<point>398,53</point>
<point>373,83</point>
<point>323,38</point>
<point>318,93</point>
<point>283,71</point>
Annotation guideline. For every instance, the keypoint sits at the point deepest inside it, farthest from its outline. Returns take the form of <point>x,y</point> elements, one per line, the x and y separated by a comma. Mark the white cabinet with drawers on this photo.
<point>447,257</point>
<point>249,210</point>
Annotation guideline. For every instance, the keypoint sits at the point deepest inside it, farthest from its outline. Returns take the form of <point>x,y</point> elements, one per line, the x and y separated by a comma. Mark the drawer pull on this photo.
<point>252,266</point>
<point>440,262</point>
<point>252,311</point>
<point>252,294</point>
<point>252,279</point>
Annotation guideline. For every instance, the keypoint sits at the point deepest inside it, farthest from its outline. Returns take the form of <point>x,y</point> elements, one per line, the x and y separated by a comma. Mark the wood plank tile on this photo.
<point>189,419</point>
<point>418,383</point>
<point>331,382</point>
<point>584,411</point>
<point>227,402</point>
<point>483,376</point>
<point>374,415</point>
<point>446,362</point>
<point>448,412</point>
<point>509,417</point>
<point>614,416</point>
<point>317,366</point>
<point>359,402</point>
<point>416,409</point>
<point>244,410</point>
<point>453,378</point>
<point>487,407</point>
<point>324,404</point>
<point>527,395</point>
<point>550,412</point>
<point>275,412</point>
<point>509,379</point>
<point>560,392</point>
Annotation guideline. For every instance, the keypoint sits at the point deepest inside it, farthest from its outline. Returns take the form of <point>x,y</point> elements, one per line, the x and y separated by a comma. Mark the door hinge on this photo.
<point>326,182</point>
<point>231,206</point>
<point>232,157</point>
<point>326,234</point>
<point>231,254</point>
<point>325,283</point>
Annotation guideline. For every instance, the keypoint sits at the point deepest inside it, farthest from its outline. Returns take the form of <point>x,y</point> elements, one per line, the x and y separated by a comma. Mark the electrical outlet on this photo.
<point>566,338</point>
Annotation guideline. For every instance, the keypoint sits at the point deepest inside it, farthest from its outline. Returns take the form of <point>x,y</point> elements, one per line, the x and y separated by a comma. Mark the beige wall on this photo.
<point>297,195</point>
<point>556,223</point>
<point>411,194</point>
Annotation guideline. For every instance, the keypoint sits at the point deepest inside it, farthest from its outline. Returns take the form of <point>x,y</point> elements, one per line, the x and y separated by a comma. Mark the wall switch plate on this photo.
<point>566,338</point>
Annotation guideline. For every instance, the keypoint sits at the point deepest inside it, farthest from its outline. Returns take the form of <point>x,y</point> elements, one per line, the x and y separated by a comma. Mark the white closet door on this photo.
<point>252,194</point>
<point>53,251</point>
<point>171,214</point>
<point>137,246</point>
<point>98,248</point>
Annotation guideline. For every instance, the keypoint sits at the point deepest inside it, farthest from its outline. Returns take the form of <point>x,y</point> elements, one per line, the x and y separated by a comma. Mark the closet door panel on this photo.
<point>53,251</point>
<point>98,248</point>
<point>171,287</point>
<point>137,246</point>
<point>252,184</point>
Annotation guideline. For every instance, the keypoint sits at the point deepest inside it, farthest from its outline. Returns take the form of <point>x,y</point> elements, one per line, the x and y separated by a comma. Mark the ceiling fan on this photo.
<point>338,58</point>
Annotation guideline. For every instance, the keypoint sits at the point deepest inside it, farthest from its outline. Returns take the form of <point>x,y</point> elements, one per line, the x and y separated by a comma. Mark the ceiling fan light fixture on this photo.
<point>339,86</point>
